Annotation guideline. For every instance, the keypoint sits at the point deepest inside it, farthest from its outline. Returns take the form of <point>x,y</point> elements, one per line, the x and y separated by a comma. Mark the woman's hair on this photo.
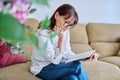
<point>64,10</point>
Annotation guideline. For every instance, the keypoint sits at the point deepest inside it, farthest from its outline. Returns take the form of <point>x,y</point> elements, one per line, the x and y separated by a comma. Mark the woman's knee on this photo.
<point>69,77</point>
<point>77,67</point>
<point>72,77</point>
<point>77,64</point>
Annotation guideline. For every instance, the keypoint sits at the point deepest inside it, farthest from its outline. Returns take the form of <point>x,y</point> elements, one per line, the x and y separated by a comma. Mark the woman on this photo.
<point>51,66</point>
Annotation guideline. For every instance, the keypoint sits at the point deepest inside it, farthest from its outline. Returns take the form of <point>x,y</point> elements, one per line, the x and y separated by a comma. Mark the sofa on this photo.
<point>102,37</point>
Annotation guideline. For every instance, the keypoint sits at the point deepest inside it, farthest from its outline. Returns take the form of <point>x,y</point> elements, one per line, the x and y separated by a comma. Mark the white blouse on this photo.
<point>51,54</point>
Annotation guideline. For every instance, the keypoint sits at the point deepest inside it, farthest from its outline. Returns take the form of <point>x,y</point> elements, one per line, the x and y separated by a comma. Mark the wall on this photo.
<point>102,11</point>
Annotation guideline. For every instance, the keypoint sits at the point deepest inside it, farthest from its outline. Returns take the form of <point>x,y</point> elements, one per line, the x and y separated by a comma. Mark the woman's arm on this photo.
<point>67,45</point>
<point>60,41</point>
<point>52,55</point>
<point>60,44</point>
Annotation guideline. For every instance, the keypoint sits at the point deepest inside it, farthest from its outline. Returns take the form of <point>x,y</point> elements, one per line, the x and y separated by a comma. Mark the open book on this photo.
<point>80,56</point>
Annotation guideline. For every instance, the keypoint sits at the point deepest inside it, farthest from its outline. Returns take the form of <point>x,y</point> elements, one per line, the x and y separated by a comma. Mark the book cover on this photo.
<point>80,56</point>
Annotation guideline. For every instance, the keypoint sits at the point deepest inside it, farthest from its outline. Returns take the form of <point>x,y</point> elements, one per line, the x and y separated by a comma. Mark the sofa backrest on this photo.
<point>27,52</point>
<point>79,39</point>
<point>32,23</point>
<point>103,32</point>
<point>104,38</point>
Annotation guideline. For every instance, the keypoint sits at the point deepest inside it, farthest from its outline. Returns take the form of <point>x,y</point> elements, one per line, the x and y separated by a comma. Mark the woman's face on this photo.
<point>63,22</point>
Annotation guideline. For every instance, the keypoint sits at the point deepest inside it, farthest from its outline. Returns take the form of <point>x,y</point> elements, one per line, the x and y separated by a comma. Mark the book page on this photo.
<point>80,56</point>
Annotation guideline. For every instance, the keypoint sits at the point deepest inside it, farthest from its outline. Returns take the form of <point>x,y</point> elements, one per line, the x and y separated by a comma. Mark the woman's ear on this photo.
<point>56,15</point>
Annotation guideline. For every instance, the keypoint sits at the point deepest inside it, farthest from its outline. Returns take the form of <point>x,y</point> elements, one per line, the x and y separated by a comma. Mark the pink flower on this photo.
<point>1,5</point>
<point>19,9</point>
<point>21,15</point>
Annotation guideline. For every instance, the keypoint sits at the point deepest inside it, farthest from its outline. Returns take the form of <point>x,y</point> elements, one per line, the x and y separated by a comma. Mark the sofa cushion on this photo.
<point>32,23</point>
<point>77,48</point>
<point>17,72</point>
<point>100,32</point>
<point>10,59</point>
<point>99,70</point>
<point>106,49</point>
<point>118,53</point>
<point>7,58</point>
<point>78,34</point>
<point>27,51</point>
<point>112,59</point>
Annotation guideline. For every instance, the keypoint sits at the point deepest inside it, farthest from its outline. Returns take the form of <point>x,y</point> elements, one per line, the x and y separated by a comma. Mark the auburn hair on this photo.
<point>63,10</point>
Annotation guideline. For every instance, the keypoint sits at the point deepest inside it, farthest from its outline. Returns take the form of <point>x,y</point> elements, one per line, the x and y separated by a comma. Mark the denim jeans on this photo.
<point>63,71</point>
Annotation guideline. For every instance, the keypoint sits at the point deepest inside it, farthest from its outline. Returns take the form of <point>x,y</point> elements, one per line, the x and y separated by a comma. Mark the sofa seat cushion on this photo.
<point>17,72</point>
<point>77,48</point>
<point>106,48</point>
<point>99,70</point>
<point>112,59</point>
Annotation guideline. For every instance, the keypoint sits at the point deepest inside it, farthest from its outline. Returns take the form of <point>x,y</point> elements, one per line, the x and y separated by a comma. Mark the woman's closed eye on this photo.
<point>68,25</point>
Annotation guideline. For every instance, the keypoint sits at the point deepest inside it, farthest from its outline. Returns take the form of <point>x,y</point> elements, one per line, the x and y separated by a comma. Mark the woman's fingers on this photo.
<point>94,57</point>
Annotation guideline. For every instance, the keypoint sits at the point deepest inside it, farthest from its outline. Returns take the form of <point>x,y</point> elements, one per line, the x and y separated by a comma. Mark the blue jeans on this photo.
<point>63,71</point>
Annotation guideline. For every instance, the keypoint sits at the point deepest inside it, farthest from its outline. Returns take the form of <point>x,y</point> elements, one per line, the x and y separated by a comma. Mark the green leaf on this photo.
<point>43,49</point>
<point>8,0</point>
<point>10,29</point>
<point>45,24</point>
<point>54,34</point>
<point>32,10</point>
<point>43,2</point>
<point>0,78</point>
<point>6,9</point>
<point>33,39</point>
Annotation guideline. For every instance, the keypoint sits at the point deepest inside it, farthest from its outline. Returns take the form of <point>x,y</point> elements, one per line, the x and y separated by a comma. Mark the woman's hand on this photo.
<point>93,57</point>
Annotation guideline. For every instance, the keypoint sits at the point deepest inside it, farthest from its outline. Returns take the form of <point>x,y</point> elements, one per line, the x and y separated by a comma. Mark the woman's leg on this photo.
<point>69,77</point>
<point>54,72</point>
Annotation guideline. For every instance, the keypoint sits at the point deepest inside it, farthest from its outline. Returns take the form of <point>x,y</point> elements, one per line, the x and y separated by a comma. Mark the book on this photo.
<point>80,56</point>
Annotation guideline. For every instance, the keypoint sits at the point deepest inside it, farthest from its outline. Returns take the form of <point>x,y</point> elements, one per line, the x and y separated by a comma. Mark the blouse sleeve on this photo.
<point>67,47</point>
<point>52,55</point>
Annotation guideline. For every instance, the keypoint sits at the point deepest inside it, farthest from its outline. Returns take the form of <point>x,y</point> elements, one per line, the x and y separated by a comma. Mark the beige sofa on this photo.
<point>104,38</point>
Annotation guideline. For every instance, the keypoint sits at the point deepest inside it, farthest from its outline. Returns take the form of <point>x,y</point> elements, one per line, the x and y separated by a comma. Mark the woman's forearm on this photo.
<point>60,43</point>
